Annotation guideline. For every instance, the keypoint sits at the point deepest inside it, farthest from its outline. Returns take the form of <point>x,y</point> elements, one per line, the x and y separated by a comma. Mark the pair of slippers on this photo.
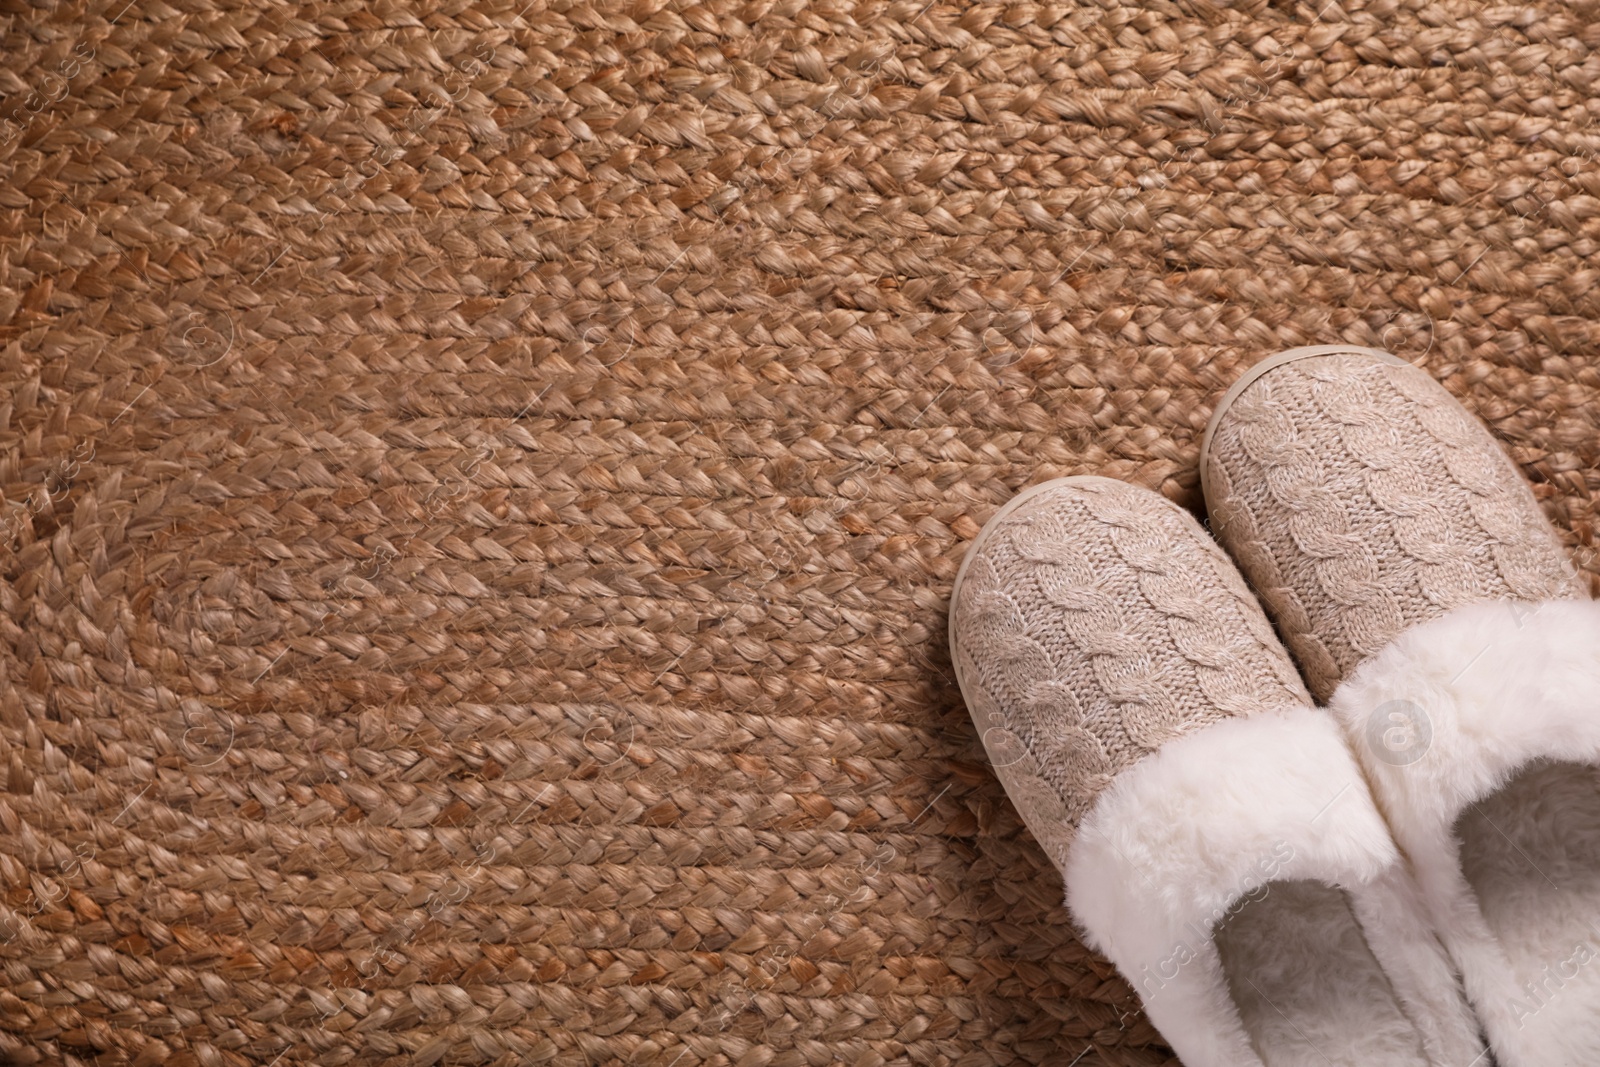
<point>1405,872</point>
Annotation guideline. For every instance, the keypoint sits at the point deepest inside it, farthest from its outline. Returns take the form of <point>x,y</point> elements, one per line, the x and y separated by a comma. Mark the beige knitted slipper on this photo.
<point>1216,838</point>
<point>1422,590</point>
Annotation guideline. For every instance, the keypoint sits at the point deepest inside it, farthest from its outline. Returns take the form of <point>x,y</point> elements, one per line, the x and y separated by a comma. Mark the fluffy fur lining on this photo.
<point>1493,687</point>
<point>1186,834</point>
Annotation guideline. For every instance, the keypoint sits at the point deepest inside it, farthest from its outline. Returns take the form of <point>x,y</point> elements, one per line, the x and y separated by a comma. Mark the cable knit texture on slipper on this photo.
<point>1360,499</point>
<point>1104,622</point>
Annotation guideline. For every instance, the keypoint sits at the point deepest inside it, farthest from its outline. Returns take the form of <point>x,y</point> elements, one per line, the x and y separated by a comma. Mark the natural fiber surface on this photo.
<point>484,481</point>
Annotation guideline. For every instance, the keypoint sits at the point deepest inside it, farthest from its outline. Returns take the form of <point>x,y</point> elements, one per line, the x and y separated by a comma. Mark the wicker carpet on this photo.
<point>482,483</point>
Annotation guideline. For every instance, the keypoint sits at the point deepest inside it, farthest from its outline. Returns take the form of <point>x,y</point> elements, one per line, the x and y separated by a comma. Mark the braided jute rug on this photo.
<point>482,481</point>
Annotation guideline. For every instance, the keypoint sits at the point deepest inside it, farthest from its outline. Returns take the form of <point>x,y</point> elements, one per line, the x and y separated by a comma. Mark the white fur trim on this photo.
<point>1498,685</point>
<point>1210,819</point>
<point>1394,917</point>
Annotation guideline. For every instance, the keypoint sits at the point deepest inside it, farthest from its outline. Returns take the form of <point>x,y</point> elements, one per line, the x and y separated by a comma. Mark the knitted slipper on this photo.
<point>1216,838</point>
<point>1421,588</point>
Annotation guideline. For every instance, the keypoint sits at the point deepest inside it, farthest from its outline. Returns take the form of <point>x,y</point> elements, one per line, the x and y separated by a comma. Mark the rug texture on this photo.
<point>482,480</point>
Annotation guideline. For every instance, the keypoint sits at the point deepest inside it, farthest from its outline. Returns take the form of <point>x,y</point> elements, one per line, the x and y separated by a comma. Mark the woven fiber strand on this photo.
<point>483,482</point>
